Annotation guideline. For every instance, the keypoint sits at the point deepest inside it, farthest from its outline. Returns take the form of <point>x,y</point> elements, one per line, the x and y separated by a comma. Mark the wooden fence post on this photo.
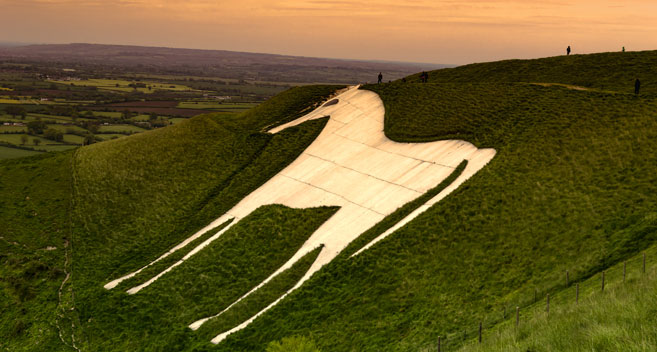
<point>567,279</point>
<point>438,343</point>
<point>603,281</point>
<point>480,325</point>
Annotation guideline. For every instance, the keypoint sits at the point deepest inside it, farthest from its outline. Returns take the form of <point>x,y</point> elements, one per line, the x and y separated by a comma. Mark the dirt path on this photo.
<point>61,306</point>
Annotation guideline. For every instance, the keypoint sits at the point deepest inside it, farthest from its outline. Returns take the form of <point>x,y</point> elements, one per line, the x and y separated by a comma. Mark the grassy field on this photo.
<point>124,86</point>
<point>110,114</point>
<point>13,129</point>
<point>216,106</point>
<point>108,136</point>
<point>175,120</point>
<point>15,139</point>
<point>12,153</point>
<point>73,139</point>
<point>25,101</point>
<point>120,129</point>
<point>67,128</point>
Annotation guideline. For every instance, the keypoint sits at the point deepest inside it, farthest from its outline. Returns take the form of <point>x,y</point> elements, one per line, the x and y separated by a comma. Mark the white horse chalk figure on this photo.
<point>353,165</point>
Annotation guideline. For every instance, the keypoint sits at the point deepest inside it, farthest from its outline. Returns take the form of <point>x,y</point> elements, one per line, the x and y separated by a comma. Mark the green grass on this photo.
<point>217,106</point>
<point>67,128</point>
<point>16,140</point>
<point>56,147</point>
<point>120,129</point>
<point>108,136</point>
<point>123,85</point>
<point>73,139</point>
<point>260,299</point>
<point>608,71</point>
<point>175,120</point>
<point>11,153</point>
<point>161,265</point>
<point>13,129</point>
<point>620,318</point>
<point>35,199</point>
<point>110,114</point>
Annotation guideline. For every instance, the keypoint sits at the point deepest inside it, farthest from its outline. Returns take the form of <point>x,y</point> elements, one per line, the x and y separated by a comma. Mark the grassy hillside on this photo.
<point>615,71</point>
<point>35,200</point>
<point>619,318</point>
<point>572,188</point>
<point>121,203</point>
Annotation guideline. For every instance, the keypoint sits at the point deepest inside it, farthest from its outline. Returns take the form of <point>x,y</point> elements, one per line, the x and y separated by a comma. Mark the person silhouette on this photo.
<point>623,49</point>
<point>637,86</point>
<point>380,77</point>
<point>568,50</point>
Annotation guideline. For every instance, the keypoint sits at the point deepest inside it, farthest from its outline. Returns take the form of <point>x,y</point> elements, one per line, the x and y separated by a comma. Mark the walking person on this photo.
<point>568,50</point>
<point>637,86</point>
<point>424,76</point>
<point>380,77</point>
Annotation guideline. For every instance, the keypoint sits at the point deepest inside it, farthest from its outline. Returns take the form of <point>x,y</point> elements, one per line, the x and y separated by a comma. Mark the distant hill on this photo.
<point>219,63</point>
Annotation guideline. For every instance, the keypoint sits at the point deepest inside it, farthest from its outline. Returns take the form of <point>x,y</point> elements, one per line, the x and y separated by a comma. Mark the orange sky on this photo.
<point>441,31</point>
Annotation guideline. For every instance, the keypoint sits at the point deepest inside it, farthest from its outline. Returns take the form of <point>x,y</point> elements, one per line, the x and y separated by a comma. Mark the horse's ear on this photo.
<point>297,122</point>
<point>331,102</point>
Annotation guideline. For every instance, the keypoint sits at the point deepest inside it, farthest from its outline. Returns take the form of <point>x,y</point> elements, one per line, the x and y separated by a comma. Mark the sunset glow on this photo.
<point>452,32</point>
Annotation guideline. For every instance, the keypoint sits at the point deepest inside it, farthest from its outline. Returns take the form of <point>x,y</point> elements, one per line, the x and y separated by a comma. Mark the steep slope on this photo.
<point>574,174</point>
<point>585,317</point>
<point>35,200</point>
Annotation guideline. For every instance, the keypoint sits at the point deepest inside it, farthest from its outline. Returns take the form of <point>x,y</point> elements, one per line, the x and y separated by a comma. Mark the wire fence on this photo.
<point>570,290</point>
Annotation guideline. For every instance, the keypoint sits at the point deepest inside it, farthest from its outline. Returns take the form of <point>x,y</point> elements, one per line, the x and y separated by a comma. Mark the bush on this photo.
<point>36,127</point>
<point>53,135</point>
